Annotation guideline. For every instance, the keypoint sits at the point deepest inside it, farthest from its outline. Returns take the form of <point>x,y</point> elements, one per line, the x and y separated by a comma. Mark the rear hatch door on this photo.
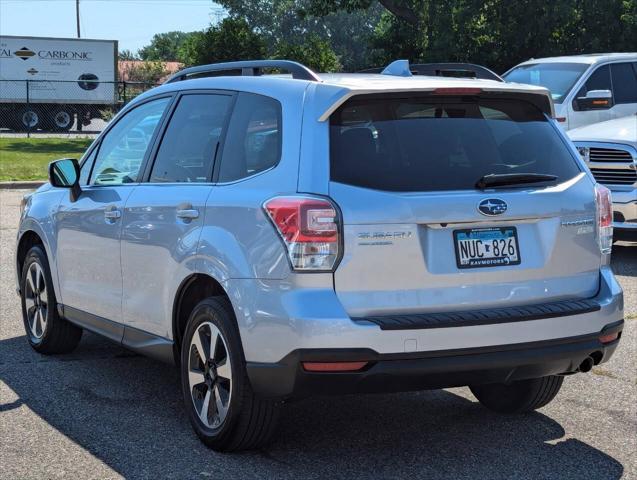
<point>420,236</point>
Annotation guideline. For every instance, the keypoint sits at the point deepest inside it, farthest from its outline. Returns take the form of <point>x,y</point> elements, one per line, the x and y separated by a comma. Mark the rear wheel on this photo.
<point>61,119</point>
<point>518,397</point>
<point>46,331</point>
<point>223,410</point>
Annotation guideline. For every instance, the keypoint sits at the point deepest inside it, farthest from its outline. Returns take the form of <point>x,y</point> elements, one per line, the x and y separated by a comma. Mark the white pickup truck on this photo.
<point>610,151</point>
<point>585,88</point>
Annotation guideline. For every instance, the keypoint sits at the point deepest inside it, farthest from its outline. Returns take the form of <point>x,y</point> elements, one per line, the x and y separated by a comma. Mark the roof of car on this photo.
<point>356,82</point>
<point>336,88</point>
<point>590,59</point>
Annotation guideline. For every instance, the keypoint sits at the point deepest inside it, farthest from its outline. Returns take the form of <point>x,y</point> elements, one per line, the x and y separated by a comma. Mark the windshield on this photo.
<point>442,143</point>
<point>559,78</point>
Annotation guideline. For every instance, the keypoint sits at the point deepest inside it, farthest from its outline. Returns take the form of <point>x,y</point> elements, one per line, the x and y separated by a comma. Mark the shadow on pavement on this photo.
<point>127,411</point>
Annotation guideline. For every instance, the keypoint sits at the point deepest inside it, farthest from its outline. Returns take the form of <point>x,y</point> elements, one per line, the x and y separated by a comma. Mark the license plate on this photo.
<point>486,247</point>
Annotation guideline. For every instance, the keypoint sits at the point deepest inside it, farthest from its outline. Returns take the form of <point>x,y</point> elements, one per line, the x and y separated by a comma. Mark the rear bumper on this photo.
<point>425,370</point>
<point>303,312</point>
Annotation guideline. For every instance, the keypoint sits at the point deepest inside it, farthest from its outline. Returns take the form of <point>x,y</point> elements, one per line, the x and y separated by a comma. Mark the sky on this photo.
<point>132,22</point>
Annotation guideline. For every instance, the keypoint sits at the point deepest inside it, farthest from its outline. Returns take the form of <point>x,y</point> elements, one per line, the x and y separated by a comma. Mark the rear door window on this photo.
<point>191,141</point>
<point>253,142</point>
<point>432,144</point>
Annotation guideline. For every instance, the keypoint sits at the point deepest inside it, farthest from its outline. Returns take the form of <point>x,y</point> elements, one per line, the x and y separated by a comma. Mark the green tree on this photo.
<point>127,55</point>
<point>291,22</point>
<point>230,40</point>
<point>165,47</point>
<point>313,52</point>
<point>497,33</point>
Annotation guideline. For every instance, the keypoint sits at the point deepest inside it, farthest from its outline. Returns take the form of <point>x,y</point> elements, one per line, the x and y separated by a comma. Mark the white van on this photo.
<point>585,88</point>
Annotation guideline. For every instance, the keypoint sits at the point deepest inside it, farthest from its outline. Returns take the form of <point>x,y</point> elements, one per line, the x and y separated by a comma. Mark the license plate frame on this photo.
<point>489,233</point>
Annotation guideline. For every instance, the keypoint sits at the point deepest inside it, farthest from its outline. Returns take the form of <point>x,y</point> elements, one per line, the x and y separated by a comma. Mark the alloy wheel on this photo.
<point>209,375</point>
<point>36,300</point>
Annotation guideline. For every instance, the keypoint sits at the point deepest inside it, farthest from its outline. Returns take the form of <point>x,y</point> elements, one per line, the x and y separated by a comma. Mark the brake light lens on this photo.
<point>604,218</point>
<point>333,366</point>
<point>611,337</point>
<point>309,227</point>
<point>457,91</point>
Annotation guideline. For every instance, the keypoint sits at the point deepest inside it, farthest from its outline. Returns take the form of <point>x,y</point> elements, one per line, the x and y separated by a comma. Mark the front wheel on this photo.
<point>28,119</point>
<point>46,331</point>
<point>518,397</point>
<point>223,410</point>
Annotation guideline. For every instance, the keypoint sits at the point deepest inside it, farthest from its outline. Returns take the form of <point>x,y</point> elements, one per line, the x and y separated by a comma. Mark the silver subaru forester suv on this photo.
<point>284,235</point>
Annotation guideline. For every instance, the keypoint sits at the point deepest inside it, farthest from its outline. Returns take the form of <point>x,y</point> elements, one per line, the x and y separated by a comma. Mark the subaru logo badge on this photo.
<point>492,207</point>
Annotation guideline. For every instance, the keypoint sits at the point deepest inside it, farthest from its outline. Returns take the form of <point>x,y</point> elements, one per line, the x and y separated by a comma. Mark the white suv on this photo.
<point>585,88</point>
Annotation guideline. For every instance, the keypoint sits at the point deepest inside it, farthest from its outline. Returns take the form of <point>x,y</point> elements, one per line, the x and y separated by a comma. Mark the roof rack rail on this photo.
<point>457,70</point>
<point>251,68</point>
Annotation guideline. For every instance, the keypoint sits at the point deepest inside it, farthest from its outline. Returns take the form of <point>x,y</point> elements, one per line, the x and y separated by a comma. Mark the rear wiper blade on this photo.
<point>502,179</point>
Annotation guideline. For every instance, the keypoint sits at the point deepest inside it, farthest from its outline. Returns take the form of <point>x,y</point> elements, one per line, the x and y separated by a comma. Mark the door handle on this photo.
<point>187,213</point>
<point>112,213</point>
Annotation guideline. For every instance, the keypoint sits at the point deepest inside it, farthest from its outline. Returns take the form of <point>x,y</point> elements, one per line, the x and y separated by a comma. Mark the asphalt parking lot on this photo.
<point>103,412</point>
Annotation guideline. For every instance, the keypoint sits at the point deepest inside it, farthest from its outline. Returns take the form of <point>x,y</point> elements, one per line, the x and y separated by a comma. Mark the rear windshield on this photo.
<point>426,144</point>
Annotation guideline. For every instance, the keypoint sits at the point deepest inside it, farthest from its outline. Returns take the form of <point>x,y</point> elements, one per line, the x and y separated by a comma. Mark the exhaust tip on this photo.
<point>586,365</point>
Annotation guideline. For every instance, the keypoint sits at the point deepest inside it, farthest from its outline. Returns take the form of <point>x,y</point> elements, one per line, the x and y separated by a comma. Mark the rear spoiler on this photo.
<point>541,98</point>
<point>455,70</point>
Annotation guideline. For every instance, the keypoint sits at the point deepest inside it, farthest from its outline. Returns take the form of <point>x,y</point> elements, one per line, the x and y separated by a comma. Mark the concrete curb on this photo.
<point>21,185</point>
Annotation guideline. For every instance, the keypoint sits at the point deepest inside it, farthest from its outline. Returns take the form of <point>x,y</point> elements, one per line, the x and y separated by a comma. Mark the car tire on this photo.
<point>46,331</point>
<point>61,119</point>
<point>223,410</point>
<point>28,119</point>
<point>518,397</point>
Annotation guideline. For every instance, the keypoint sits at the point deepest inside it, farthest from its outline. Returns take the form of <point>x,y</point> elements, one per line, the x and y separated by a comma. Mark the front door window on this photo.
<point>123,148</point>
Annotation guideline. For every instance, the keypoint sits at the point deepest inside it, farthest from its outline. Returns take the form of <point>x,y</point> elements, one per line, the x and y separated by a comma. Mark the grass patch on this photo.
<point>28,158</point>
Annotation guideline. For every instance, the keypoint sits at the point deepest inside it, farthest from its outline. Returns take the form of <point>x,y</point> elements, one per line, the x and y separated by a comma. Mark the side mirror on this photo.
<point>595,100</point>
<point>65,173</point>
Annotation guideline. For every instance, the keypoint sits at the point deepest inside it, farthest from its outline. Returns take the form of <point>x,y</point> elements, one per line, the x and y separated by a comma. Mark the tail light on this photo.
<point>309,227</point>
<point>604,218</point>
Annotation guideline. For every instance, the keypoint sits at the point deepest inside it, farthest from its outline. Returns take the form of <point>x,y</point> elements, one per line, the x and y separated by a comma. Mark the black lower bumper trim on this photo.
<point>484,316</point>
<point>427,370</point>
<point>624,234</point>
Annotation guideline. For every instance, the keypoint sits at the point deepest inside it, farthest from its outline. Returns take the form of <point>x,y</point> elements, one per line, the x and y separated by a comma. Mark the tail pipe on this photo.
<point>586,365</point>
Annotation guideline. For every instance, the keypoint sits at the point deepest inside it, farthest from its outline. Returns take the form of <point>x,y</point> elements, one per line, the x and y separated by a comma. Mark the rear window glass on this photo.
<point>253,142</point>
<point>425,144</point>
